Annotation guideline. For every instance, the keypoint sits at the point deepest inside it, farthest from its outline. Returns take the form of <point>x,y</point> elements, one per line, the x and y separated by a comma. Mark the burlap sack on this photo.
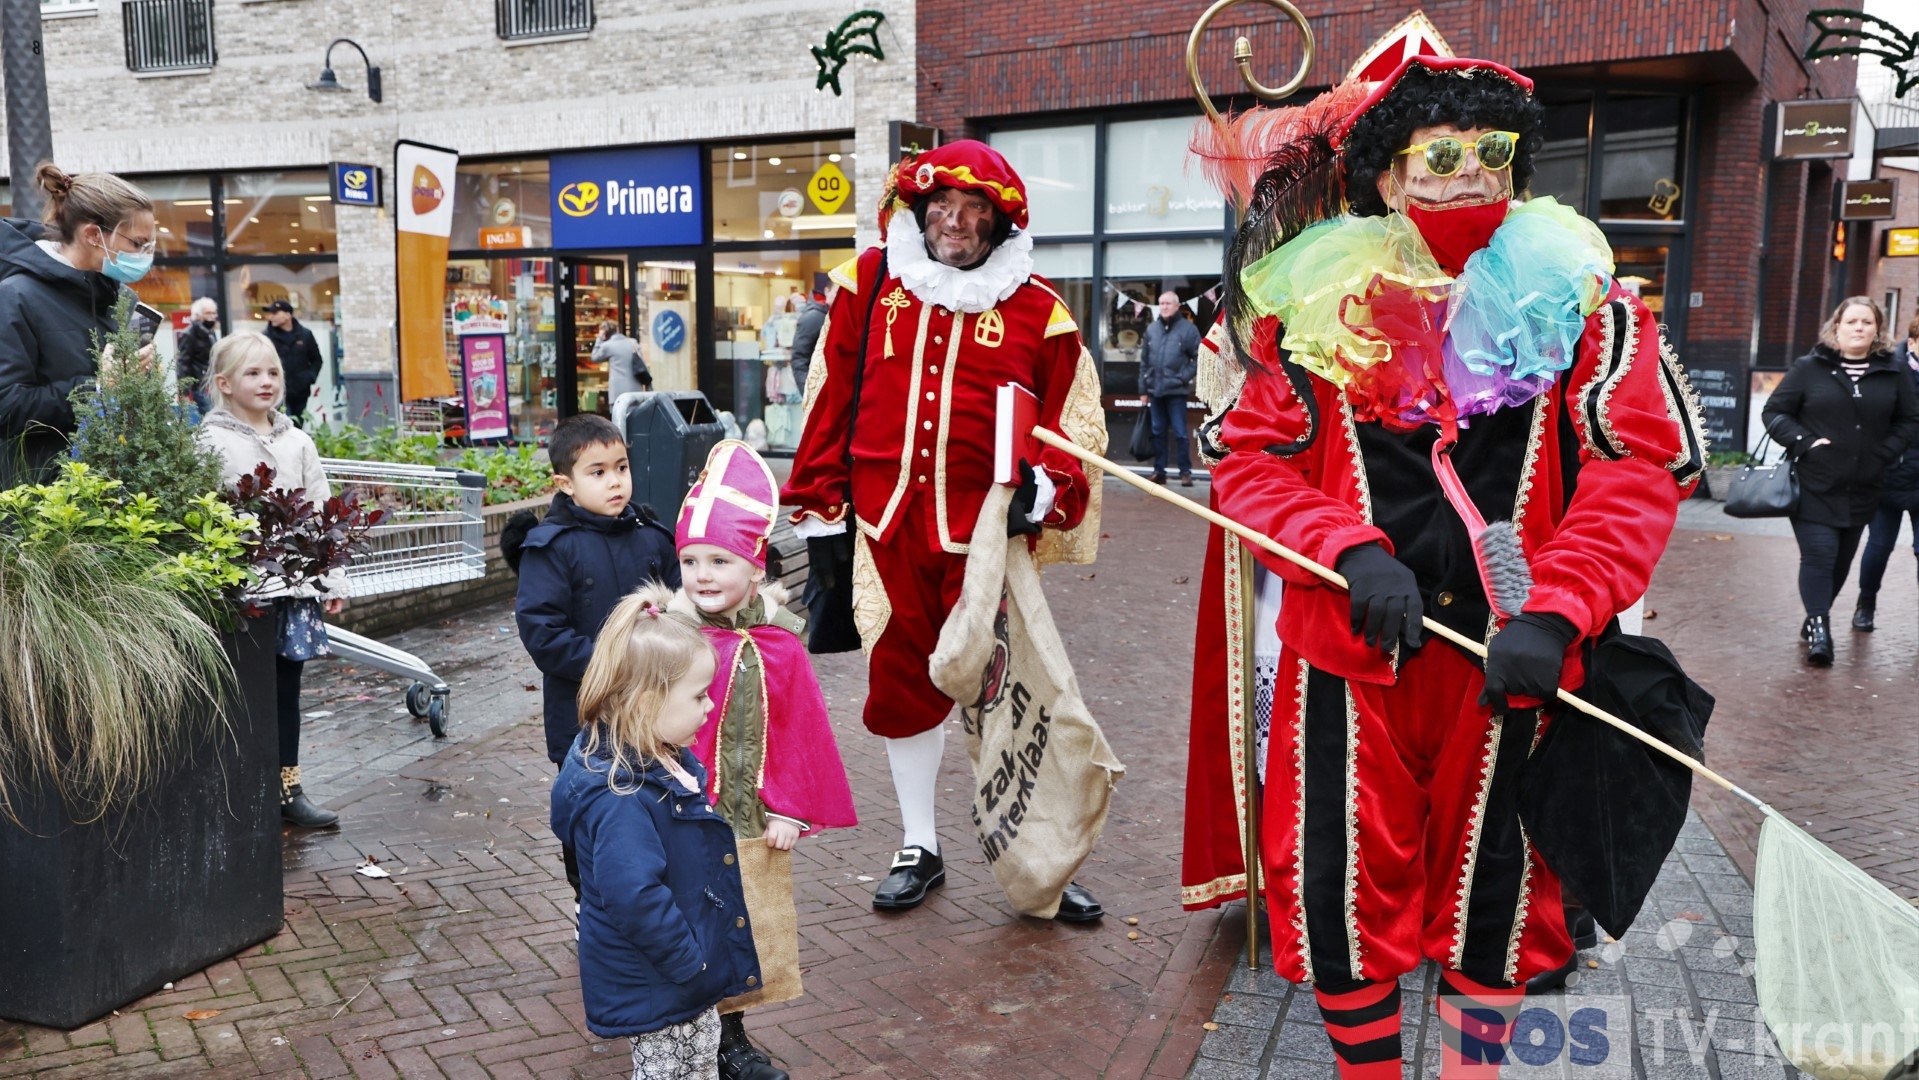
<point>1043,772</point>
<point>767,875</point>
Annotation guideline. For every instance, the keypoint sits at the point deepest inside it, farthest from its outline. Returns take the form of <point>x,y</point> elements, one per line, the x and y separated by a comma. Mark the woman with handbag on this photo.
<point>1844,413</point>
<point>1897,500</point>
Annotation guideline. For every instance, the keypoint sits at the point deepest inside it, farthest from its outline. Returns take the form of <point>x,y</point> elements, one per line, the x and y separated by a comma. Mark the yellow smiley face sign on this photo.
<point>829,188</point>
<point>580,199</point>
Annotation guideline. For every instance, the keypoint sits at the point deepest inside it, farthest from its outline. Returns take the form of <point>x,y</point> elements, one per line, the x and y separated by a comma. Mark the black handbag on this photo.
<point>1142,446</point>
<point>828,595</point>
<point>1603,808</point>
<point>1763,491</point>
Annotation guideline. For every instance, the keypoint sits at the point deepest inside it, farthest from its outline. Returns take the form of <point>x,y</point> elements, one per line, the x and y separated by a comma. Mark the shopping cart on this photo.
<point>431,534</point>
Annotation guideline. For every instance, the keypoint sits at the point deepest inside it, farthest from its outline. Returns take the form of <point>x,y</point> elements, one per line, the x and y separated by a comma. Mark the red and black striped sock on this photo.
<point>1362,1020</point>
<point>1476,1026</point>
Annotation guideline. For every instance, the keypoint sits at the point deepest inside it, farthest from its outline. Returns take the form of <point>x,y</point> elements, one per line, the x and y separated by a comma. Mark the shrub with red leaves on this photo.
<point>298,543</point>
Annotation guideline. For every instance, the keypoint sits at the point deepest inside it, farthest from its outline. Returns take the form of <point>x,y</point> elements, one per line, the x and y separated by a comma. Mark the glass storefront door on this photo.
<point>664,299</point>
<point>592,294</point>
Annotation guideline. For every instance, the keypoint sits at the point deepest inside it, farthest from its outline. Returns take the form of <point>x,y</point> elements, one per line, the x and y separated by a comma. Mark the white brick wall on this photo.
<point>651,71</point>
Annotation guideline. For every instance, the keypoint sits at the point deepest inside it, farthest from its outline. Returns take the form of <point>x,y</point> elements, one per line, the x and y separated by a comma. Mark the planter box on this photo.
<point>94,916</point>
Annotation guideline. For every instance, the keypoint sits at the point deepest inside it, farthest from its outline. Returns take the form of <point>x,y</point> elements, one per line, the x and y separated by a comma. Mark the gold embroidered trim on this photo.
<point>1352,832</point>
<point>1529,467</point>
<point>766,716</point>
<point>1299,824</point>
<point>947,543</point>
<point>1525,904</point>
<point>1236,642</point>
<point>1580,419</point>
<point>1471,862</point>
<point>872,608</point>
<point>1192,895</point>
<point>906,441</point>
<point>1629,345</point>
<point>816,374</point>
<point>1688,414</point>
<point>719,727</point>
<point>1359,462</point>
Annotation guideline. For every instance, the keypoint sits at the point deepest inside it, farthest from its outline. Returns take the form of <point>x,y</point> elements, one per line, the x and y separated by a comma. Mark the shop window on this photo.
<point>513,297</point>
<point>1057,165</point>
<point>1642,272</point>
<point>1559,169</point>
<point>283,213</point>
<point>313,289</point>
<point>172,290</point>
<point>182,214</point>
<point>1069,268</point>
<point>1137,273</point>
<point>1639,176</point>
<point>502,205</point>
<point>1149,184</point>
<point>759,298</point>
<point>786,191</point>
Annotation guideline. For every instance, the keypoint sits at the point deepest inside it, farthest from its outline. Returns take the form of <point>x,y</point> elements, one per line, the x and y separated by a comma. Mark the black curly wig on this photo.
<point>1425,98</point>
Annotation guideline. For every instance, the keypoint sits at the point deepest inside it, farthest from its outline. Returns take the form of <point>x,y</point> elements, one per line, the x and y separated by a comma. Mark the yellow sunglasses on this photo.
<point>1494,150</point>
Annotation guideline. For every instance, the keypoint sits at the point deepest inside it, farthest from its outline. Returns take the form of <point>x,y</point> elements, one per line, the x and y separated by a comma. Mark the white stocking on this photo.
<point>916,769</point>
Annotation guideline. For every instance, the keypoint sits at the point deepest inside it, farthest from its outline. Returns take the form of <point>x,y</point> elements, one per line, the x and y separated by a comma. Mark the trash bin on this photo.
<point>668,435</point>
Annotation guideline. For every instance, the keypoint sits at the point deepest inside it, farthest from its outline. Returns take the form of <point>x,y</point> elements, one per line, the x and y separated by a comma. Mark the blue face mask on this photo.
<point>126,267</point>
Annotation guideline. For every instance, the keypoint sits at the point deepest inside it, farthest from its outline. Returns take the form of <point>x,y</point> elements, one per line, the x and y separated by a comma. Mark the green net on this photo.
<point>1837,959</point>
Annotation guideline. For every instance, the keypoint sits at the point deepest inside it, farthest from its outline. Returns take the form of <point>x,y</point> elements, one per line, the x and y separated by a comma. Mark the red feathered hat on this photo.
<point>968,165</point>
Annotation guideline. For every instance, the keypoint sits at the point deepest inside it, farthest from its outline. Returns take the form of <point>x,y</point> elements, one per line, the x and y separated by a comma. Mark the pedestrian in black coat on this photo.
<point>1898,499</point>
<point>1168,364</point>
<point>191,359</point>
<point>1844,413</point>
<point>300,356</point>
<point>59,282</point>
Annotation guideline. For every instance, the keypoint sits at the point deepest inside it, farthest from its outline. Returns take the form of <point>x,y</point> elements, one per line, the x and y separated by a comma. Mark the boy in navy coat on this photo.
<point>593,548</point>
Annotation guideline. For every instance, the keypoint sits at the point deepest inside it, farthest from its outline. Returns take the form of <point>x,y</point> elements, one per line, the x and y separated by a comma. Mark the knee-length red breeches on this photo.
<point>1391,829</point>
<point>922,584</point>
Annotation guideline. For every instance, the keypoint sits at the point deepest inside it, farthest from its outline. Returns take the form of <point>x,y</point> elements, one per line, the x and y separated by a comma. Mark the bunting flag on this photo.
<point>1123,302</point>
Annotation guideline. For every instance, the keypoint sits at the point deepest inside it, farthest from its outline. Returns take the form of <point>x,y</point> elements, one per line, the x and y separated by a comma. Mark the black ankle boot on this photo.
<point>739,1059</point>
<point>1805,629</point>
<point>1862,615</point>
<point>1819,641</point>
<point>296,808</point>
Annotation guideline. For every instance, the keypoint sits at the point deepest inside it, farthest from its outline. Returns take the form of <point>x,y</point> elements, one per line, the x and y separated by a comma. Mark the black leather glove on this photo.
<point>1385,596</point>
<point>1525,658</point>
<point>829,559</point>
<point>1024,498</point>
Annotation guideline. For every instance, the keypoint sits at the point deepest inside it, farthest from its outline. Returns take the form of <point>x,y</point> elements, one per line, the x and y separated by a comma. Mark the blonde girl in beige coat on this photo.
<point>246,427</point>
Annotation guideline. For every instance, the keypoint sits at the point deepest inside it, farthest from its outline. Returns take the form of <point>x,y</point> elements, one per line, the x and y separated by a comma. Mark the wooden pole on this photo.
<point>1267,543</point>
<point>1249,747</point>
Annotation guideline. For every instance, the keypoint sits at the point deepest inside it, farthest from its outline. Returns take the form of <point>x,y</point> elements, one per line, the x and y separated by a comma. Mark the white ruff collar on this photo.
<point>976,290</point>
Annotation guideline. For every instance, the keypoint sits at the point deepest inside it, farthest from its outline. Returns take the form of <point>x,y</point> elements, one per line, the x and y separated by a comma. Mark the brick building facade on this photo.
<point>1656,127</point>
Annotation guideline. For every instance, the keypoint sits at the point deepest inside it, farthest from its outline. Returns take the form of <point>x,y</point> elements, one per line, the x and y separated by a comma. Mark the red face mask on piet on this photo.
<point>1453,233</point>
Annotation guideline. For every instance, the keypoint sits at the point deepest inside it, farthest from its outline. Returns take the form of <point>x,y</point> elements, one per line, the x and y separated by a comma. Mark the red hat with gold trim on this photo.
<point>732,505</point>
<point>967,165</point>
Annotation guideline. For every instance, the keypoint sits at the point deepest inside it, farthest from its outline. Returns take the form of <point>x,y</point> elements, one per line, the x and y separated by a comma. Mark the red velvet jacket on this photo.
<point>927,405</point>
<point>1620,429</point>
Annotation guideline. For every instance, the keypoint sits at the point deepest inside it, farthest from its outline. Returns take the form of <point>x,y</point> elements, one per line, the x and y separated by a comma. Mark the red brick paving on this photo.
<point>1836,749</point>
<point>462,964</point>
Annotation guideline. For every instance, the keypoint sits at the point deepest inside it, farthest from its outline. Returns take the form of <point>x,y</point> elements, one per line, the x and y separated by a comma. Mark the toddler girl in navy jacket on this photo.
<point>664,933</point>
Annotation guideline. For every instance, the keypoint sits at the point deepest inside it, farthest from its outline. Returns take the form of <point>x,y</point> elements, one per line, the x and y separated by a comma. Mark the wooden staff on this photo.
<point>1478,649</point>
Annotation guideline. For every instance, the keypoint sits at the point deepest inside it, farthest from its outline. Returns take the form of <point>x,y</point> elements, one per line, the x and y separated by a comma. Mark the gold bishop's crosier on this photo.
<point>1243,60</point>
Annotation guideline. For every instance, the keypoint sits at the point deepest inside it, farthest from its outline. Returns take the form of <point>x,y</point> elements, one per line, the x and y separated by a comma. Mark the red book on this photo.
<point>1013,434</point>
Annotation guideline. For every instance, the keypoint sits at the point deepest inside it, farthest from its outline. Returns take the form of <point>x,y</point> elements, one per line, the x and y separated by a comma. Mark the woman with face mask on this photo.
<point>59,281</point>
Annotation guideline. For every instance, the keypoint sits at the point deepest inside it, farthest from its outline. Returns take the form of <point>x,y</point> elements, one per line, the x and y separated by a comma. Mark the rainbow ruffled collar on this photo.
<point>1364,306</point>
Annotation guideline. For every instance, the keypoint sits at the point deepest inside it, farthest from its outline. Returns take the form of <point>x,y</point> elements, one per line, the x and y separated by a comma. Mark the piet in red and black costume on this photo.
<point>1386,353</point>
<point>920,403</point>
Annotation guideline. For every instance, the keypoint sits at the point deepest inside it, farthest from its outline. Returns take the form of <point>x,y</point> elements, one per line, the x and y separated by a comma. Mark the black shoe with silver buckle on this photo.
<point>1078,905</point>
<point>739,1058</point>
<point>916,871</point>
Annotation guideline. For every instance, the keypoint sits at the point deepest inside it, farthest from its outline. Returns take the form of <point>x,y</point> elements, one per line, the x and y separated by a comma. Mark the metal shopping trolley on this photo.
<point>432,534</point>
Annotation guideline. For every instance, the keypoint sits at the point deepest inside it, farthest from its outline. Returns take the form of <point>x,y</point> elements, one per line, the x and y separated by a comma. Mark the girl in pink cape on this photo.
<point>773,769</point>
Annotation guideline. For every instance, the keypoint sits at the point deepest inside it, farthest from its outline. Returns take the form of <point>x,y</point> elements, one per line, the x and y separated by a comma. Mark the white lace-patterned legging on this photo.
<point>684,1051</point>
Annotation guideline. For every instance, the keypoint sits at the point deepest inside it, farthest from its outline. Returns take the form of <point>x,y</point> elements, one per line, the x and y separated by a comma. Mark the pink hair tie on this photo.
<point>654,610</point>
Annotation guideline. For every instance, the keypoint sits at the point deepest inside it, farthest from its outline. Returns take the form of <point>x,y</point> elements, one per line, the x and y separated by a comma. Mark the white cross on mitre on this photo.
<point>713,488</point>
